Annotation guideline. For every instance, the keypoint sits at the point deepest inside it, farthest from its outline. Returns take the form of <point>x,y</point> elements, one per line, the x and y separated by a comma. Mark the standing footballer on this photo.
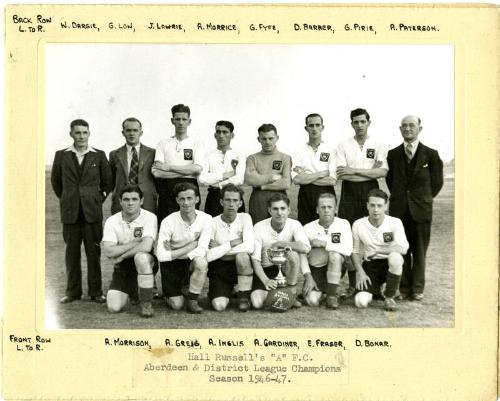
<point>228,258</point>
<point>183,242</point>
<point>221,166</point>
<point>379,243</point>
<point>331,242</point>
<point>361,160</point>
<point>415,177</point>
<point>268,172</point>
<point>176,161</point>
<point>128,241</point>
<point>314,170</point>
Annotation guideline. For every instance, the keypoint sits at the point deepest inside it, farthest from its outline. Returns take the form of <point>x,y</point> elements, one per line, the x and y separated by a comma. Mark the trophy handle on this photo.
<point>268,252</point>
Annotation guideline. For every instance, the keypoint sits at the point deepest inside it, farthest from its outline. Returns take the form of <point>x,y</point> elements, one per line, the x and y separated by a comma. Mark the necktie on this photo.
<point>134,168</point>
<point>408,152</point>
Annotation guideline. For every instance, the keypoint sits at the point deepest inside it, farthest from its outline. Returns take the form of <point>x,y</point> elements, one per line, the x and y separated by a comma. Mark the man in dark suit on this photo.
<point>81,179</point>
<point>414,178</point>
<point>131,164</point>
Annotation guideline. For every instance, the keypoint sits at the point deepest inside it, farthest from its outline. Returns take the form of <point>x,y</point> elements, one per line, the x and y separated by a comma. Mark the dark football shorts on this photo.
<point>174,275</point>
<point>319,276</point>
<point>377,270</point>
<point>222,277</point>
<point>124,277</point>
<point>271,272</point>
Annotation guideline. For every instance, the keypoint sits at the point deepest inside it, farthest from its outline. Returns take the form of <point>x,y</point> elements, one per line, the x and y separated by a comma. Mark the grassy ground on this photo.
<point>436,310</point>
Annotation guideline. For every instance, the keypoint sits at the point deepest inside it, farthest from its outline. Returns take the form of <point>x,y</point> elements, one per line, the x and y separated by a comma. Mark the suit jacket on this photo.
<point>87,184</point>
<point>414,190</point>
<point>119,174</point>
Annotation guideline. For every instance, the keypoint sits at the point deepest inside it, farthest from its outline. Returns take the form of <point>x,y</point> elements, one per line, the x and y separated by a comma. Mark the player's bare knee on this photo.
<point>257,299</point>
<point>220,304</point>
<point>395,261</point>
<point>176,303</point>
<point>143,263</point>
<point>313,298</point>
<point>114,305</point>
<point>200,264</point>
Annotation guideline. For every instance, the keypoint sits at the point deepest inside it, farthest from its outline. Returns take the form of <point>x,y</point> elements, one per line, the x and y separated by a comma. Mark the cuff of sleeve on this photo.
<point>305,269</point>
<point>167,256</point>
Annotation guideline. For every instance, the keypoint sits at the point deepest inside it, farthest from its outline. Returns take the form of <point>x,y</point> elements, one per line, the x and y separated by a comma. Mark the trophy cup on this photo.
<point>278,258</point>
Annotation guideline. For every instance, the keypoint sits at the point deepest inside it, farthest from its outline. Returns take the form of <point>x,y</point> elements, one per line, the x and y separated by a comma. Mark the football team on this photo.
<point>259,259</point>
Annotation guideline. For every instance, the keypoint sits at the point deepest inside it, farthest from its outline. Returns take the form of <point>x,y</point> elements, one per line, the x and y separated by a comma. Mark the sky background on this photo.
<point>248,85</point>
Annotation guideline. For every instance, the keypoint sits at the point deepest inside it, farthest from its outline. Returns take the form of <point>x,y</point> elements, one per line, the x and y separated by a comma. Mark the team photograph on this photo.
<point>249,186</point>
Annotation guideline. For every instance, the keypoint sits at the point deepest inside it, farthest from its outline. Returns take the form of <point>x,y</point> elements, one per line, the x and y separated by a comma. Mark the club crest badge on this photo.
<point>370,153</point>
<point>188,154</point>
<point>336,238</point>
<point>137,232</point>
<point>234,163</point>
<point>388,237</point>
<point>324,157</point>
<point>277,164</point>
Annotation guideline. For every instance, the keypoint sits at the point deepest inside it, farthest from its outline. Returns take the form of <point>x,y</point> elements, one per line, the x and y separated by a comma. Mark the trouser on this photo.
<point>353,199</point>
<point>166,197</point>
<point>212,203</point>
<point>258,204</point>
<point>91,235</point>
<point>418,236</point>
<point>308,200</point>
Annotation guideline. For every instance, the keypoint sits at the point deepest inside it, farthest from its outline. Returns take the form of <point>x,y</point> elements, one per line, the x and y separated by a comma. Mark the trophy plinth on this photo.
<point>278,258</point>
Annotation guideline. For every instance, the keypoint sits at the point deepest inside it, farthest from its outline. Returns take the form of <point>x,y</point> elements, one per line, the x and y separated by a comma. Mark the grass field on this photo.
<point>436,310</point>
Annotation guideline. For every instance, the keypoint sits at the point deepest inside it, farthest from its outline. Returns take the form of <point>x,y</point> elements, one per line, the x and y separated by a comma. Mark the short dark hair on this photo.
<point>359,112</point>
<point>132,120</point>
<point>181,108</point>
<point>78,121</point>
<point>131,188</point>
<point>327,195</point>
<point>231,188</point>
<point>228,124</point>
<point>377,193</point>
<point>267,128</point>
<point>314,115</point>
<point>185,186</point>
<point>277,198</point>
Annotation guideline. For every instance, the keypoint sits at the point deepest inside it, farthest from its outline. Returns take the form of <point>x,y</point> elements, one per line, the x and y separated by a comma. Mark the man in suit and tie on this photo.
<point>81,179</point>
<point>414,178</point>
<point>131,164</point>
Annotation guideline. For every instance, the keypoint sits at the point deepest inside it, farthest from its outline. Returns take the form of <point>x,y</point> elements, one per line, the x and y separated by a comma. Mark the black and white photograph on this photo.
<point>198,186</point>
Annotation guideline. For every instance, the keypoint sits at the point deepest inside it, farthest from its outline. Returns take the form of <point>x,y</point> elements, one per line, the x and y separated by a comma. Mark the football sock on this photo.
<point>196,281</point>
<point>245,282</point>
<point>145,294</point>
<point>145,284</point>
<point>192,296</point>
<point>331,290</point>
<point>392,284</point>
<point>352,278</point>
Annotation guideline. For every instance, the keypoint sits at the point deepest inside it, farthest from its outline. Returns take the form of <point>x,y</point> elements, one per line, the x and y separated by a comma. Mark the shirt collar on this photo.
<point>73,149</point>
<point>129,148</point>
<point>309,145</point>
<point>130,222</point>
<point>414,145</point>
